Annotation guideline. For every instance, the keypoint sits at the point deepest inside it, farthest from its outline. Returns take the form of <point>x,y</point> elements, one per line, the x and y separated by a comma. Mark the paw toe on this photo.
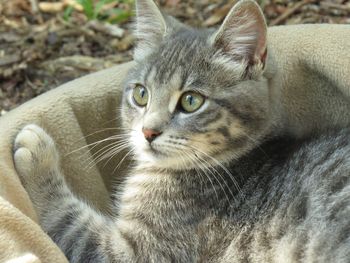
<point>23,160</point>
<point>26,138</point>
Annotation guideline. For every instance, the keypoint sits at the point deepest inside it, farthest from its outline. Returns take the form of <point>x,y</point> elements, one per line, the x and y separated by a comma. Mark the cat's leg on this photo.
<point>83,234</point>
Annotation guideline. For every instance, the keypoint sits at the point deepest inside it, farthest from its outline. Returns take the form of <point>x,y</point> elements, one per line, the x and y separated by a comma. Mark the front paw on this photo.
<point>35,153</point>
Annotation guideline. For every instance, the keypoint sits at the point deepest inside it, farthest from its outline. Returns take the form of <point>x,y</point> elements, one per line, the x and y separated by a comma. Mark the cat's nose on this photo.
<point>150,134</point>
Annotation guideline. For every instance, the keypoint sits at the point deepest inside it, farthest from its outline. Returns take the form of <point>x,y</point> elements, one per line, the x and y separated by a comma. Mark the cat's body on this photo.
<point>209,184</point>
<point>293,206</point>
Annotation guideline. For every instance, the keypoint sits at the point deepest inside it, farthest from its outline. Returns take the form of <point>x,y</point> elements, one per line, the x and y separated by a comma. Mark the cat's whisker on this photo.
<point>231,176</point>
<point>113,143</point>
<point>95,159</point>
<point>108,145</point>
<point>103,130</point>
<point>106,152</point>
<point>106,155</point>
<point>195,169</point>
<point>115,151</point>
<point>183,161</point>
<point>209,167</point>
<point>195,161</point>
<point>93,155</point>
<point>122,160</point>
<point>117,118</point>
<point>113,137</point>
<point>205,170</point>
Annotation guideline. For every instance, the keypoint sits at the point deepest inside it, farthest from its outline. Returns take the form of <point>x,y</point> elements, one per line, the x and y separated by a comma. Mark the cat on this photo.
<point>212,182</point>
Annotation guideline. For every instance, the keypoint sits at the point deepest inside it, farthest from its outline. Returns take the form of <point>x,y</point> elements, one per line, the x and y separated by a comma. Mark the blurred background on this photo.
<point>46,43</point>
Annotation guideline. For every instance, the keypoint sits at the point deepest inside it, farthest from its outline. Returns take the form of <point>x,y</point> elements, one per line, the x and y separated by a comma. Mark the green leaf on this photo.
<point>127,1</point>
<point>118,15</point>
<point>88,6</point>
<point>98,7</point>
<point>67,13</point>
<point>93,10</point>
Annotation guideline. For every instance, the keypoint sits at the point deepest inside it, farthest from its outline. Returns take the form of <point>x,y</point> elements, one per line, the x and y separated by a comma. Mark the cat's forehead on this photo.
<point>177,60</point>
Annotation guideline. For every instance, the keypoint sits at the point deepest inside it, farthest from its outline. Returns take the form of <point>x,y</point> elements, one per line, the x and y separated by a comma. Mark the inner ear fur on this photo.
<point>242,35</point>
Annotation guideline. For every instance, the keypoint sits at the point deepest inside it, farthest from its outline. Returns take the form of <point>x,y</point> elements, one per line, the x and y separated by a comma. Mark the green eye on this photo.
<point>140,95</point>
<point>191,101</point>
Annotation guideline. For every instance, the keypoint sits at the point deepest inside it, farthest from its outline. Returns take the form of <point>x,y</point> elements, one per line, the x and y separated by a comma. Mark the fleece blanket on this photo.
<point>84,111</point>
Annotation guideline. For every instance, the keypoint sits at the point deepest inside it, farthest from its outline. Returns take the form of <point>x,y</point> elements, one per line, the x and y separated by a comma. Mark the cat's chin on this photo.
<point>153,158</point>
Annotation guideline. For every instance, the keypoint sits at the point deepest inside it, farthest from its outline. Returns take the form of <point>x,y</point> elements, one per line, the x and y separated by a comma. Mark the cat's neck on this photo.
<point>175,195</point>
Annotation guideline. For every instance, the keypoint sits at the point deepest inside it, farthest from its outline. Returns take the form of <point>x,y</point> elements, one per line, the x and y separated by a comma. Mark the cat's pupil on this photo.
<point>142,92</point>
<point>190,99</point>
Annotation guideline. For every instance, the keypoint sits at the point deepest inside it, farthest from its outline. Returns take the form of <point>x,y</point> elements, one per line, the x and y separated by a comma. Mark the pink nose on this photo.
<point>150,134</point>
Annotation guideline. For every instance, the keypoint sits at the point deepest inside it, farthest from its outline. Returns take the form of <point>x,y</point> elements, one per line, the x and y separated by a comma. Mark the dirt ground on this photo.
<point>40,48</point>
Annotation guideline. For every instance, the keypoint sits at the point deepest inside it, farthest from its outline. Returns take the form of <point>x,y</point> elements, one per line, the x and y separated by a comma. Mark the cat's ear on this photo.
<point>242,36</point>
<point>150,28</point>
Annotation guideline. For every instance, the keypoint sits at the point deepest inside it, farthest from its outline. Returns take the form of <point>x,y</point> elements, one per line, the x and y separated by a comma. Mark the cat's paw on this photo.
<point>35,153</point>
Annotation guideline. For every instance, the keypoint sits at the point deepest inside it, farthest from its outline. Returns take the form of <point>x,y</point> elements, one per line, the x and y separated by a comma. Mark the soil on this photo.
<point>40,50</point>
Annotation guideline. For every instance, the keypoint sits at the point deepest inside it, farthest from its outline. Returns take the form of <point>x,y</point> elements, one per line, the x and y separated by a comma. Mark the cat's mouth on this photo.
<point>156,151</point>
<point>158,155</point>
<point>152,149</point>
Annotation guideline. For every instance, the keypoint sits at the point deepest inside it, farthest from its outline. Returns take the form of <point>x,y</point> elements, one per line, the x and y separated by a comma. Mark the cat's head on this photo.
<point>196,96</point>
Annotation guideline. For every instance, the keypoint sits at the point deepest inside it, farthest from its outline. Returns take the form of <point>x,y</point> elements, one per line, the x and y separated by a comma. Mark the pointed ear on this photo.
<point>242,36</point>
<point>149,29</point>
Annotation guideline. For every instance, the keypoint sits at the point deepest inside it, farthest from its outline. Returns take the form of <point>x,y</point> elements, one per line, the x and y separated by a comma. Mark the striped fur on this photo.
<point>293,206</point>
<point>215,186</point>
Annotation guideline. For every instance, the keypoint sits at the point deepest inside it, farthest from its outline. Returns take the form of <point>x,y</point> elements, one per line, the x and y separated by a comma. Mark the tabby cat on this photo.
<point>210,182</point>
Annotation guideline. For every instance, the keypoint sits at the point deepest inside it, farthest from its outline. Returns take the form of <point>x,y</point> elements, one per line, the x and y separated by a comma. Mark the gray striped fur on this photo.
<point>293,206</point>
<point>215,186</point>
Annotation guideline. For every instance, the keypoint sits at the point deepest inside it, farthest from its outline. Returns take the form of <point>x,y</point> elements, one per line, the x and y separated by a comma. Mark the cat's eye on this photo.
<point>140,95</point>
<point>191,101</point>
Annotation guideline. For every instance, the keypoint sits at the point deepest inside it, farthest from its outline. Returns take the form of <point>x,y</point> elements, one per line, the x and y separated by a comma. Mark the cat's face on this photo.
<point>188,102</point>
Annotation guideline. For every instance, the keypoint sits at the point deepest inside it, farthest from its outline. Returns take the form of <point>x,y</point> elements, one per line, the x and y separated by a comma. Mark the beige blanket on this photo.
<point>82,111</point>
